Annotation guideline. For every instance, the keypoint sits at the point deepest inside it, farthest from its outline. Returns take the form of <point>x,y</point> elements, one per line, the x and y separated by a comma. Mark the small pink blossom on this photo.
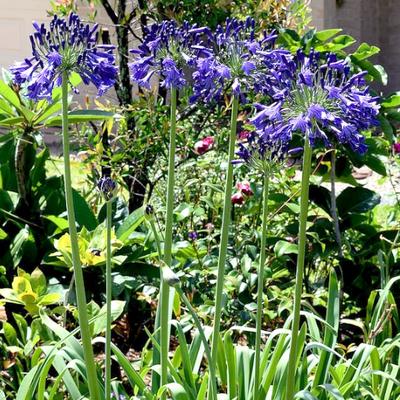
<point>243,135</point>
<point>204,145</point>
<point>237,198</point>
<point>396,148</point>
<point>245,188</point>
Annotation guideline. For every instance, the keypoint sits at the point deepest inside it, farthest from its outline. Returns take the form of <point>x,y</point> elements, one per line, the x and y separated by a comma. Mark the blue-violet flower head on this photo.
<point>167,50</point>
<point>67,45</point>
<point>234,61</point>
<point>320,99</point>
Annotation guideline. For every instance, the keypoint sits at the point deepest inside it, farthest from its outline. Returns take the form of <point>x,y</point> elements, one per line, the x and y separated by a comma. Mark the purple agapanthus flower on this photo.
<point>236,59</point>
<point>321,99</point>
<point>68,45</point>
<point>167,50</point>
<point>260,153</point>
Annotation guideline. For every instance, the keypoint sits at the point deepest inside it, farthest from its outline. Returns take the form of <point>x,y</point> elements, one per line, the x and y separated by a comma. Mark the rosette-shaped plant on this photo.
<point>167,50</point>
<point>320,99</point>
<point>234,58</point>
<point>68,45</point>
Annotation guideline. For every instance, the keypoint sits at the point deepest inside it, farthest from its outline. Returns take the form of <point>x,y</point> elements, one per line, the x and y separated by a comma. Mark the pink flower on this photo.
<point>204,145</point>
<point>237,199</point>
<point>243,135</point>
<point>396,148</point>
<point>245,188</point>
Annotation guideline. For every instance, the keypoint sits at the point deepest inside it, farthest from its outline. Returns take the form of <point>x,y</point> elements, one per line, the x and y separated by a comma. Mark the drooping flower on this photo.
<point>396,148</point>
<point>245,188</point>
<point>68,45</point>
<point>232,61</point>
<point>166,50</point>
<point>319,99</point>
<point>204,145</point>
<point>237,198</point>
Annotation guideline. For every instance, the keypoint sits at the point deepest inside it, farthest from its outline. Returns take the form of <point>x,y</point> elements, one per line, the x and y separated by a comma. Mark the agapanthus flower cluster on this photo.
<point>321,99</point>
<point>68,45</point>
<point>167,50</point>
<point>259,152</point>
<point>234,59</point>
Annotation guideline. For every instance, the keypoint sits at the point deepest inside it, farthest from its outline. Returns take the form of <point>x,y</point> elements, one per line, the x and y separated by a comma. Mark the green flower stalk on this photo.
<point>173,281</point>
<point>68,45</point>
<point>260,285</point>
<point>165,290</point>
<point>223,246</point>
<point>302,240</point>
<point>108,301</point>
<point>107,188</point>
<point>79,281</point>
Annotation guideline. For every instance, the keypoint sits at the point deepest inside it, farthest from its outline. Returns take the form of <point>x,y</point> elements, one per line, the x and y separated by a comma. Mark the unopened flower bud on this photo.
<point>170,277</point>
<point>396,148</point>
<point>107,187</point>
<point>193,235</point>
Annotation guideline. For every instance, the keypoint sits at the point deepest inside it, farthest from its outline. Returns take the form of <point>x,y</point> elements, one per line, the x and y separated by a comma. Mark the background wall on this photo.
<point>373,21</point>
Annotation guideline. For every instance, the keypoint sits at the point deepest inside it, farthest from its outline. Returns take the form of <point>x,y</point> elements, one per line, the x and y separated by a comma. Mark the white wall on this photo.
<point>16,18</point>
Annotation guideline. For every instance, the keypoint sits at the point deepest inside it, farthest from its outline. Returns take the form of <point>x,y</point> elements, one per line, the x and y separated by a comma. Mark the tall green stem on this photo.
<point>302,240</point>
<point>191,310</point>
<point>165,289</point>
<point>108,301</point>
<point>79,282</point>
<point>223,245</point>
<point>260,286</point>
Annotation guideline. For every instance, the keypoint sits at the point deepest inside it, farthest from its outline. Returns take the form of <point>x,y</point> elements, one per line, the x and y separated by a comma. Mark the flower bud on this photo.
<point>170,277</point>
<point>396,148</point>
<point>107,187</point>
<point>193,235</point>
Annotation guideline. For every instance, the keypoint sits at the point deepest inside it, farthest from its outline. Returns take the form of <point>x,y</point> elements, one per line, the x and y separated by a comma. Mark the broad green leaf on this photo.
<point>356,200</point>
<point>11,121</point>
<point>83,213</point>
<point>365,51</point>
<point>10,334</point>
<point>387,128</point>
<point>38,282</point>
<point>48,112</point>
<point>3,234</point>
<point>4,106</point>
<point>50,298</point>
<point>392,101</point>
<point>130,224</point>
<point>21,285</point>
<point>61,223</point>
<point>99,324</point>
<point>283,247</point>
<point>326,34</point>
<point>8,94</point>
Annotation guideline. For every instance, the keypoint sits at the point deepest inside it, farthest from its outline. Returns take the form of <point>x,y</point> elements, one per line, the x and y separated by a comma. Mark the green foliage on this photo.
<point>30,291</point>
